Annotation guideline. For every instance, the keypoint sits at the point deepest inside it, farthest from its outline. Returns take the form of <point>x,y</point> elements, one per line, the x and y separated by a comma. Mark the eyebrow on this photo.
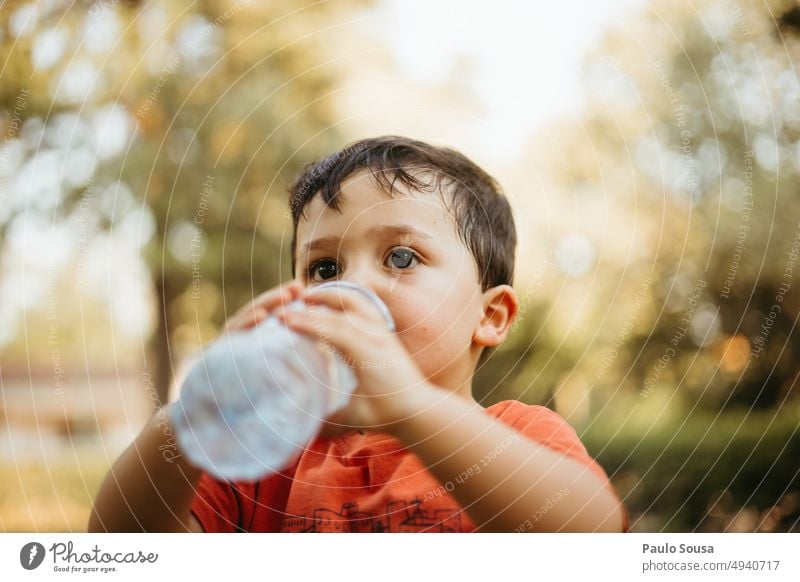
<point>382,231</point>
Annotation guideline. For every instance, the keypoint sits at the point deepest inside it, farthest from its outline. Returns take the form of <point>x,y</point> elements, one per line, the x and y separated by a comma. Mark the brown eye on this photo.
<point>401,258</point>
<point>322,270</point>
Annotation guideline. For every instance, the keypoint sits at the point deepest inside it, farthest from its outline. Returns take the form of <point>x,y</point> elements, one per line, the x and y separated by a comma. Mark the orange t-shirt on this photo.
<point>366,483</point>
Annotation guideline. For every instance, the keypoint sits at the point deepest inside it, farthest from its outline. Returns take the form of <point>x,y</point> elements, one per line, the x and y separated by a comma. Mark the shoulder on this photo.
<point>521,415</point>
<point>549,428</point>
<point>539,423</point>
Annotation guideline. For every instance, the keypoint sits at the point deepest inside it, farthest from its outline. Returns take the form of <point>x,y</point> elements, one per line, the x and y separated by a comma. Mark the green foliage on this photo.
<point>686,347</point>
<point>733,471</point>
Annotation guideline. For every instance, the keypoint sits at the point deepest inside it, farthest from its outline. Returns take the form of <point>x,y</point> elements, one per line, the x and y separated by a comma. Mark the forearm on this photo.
<point>151,486</point>
<point>504,480</point>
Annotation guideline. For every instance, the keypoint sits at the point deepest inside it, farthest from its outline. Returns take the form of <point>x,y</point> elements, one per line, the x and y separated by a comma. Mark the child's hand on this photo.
<point>387,375</point>
<point>257,310</point>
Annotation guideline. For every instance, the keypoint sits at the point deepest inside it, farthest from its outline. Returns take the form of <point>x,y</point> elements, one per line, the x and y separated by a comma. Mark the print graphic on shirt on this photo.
<point>400,516</point>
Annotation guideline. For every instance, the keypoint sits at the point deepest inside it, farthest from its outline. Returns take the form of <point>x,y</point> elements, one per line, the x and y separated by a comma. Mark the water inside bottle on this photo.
<point>255,399</point>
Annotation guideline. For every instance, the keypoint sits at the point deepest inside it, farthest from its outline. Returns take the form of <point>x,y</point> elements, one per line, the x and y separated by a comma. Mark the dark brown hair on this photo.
<point>482,214</point>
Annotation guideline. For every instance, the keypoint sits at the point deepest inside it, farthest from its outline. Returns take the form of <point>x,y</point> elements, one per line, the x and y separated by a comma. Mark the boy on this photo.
<point>433,236</point>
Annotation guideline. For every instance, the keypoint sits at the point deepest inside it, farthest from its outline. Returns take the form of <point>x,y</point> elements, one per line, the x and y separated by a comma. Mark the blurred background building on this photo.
<point>651,151</point>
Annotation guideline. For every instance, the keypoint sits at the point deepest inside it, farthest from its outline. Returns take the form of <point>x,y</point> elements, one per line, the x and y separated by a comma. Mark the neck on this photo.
<point>458,379</point>
<point>462,390</point>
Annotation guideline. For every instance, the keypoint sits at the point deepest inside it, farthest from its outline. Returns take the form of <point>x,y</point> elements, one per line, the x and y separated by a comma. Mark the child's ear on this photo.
<point>500,307</point>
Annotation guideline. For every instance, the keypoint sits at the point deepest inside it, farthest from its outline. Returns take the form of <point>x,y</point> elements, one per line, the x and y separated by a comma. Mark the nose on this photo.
<point>360,273</point>
<point>364,279</point>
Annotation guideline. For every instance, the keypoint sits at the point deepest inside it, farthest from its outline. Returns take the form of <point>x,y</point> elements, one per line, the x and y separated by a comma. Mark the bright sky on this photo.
<point>527,55</point>
<point>520,64</point>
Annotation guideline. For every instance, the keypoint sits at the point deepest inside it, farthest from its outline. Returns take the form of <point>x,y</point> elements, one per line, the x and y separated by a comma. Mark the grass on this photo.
<point>35,498</point>
<point>699,472</point>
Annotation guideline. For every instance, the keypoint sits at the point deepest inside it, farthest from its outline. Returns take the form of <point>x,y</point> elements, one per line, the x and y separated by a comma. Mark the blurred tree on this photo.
<point>175,129</point>
<point>682,171</point>
<point>678,180</point>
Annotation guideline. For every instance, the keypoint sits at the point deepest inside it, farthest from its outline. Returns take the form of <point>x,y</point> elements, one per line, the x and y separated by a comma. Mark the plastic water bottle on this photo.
<point>254,399</point>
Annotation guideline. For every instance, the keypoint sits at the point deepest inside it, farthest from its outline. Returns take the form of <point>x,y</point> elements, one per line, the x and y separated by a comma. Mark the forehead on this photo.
<point>363,204</point>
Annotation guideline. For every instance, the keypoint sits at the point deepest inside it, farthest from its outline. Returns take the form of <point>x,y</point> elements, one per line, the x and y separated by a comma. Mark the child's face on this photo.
<point>407,250</point>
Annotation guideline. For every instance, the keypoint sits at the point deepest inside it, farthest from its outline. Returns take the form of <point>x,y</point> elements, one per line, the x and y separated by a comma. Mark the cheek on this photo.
<point>434,331</point>
<point>410,307</point>
<point>435,321</point>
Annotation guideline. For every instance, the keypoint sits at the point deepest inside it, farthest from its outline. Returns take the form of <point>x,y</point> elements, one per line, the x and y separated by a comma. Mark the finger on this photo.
<point>258,309</point>
<point>343,300</point>
<point>273,298</point>
<point>348,335</point>
<point>246,320</point>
